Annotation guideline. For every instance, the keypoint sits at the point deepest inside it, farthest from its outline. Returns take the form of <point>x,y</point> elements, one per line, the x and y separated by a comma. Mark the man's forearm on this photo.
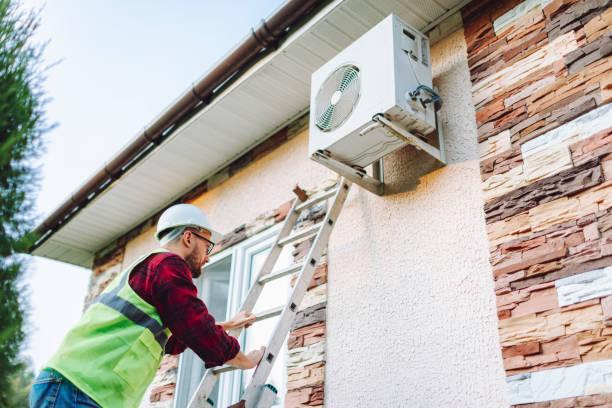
<point>242,319</point>
<point>229,325</point>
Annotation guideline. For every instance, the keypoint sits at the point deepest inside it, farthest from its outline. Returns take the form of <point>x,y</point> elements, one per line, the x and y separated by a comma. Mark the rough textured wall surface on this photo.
<point>541,75</point>
<point>411,309</point>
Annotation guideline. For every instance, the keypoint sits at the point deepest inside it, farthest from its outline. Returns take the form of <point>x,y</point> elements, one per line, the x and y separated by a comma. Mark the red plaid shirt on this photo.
<point>164,281</point>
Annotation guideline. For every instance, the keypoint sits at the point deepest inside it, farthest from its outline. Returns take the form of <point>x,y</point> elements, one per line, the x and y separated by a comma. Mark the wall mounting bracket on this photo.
<point>375,183</point>
<point>435,152</point>
<point>357,176</point>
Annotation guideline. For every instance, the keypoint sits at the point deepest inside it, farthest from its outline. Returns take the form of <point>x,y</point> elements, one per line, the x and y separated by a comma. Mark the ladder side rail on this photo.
<point>199,397</point>
<point>206,385</point>
<point>251,298</point>
<point>251,394</point>
<point>267,397</point>
<point>198,400</point>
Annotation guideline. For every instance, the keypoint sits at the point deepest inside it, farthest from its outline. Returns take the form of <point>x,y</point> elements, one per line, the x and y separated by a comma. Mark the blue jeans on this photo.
<point>53,390</point>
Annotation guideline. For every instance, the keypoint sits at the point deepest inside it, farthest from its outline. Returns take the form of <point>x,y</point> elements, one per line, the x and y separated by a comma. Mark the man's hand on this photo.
<point>242,319</point>
<point>255,356</point>
<point>249,360</point>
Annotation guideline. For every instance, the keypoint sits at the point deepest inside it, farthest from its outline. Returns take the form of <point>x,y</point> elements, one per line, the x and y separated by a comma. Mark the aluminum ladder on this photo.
<point>258,394</point>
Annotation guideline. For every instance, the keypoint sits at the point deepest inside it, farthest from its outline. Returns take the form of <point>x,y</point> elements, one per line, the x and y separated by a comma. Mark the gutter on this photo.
<point>254,47</point>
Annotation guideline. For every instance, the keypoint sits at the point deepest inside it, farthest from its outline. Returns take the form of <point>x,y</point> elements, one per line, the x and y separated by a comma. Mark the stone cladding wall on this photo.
<point>541,86</point>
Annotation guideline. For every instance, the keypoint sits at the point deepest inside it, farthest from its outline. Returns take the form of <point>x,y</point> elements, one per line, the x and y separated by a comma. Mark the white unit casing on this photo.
<point>376,73</point>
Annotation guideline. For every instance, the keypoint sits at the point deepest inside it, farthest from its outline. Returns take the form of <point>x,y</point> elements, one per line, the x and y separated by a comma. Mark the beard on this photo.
<point>194,264</point>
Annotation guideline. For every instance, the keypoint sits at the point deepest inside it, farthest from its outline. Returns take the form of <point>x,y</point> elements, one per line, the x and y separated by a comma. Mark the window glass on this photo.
<point>275,294</point>
<point>213,287</point>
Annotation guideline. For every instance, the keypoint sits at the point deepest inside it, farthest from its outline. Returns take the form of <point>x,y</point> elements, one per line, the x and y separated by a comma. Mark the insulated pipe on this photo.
<point>268,34</point>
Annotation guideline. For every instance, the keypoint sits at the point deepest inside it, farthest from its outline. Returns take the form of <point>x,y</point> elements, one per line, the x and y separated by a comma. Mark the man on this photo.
<point>111,356</point>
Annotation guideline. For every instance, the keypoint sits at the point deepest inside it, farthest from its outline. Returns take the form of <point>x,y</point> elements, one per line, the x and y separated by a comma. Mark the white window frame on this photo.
<point>229,383</point>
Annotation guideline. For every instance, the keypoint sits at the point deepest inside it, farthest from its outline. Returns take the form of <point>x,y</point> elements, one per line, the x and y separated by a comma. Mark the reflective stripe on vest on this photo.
<point>137,316</point>
<point>112,354</point>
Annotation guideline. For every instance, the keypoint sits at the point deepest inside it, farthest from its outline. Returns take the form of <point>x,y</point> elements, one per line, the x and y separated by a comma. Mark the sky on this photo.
<point>119,64</point>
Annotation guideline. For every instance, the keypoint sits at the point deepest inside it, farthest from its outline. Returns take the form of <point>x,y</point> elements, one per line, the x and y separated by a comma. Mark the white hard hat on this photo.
<point>185,215</point>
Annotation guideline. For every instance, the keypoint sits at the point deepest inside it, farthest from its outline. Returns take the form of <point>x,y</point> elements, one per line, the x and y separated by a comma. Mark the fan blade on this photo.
<point>349,76</point>
<point>325,119</point>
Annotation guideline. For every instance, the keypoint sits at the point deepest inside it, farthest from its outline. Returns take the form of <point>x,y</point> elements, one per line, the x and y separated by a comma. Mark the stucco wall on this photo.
<point>411,311</point>
<point>411,315</point>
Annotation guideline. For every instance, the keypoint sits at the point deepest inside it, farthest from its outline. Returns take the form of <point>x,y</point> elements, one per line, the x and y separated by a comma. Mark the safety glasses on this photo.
<point>211,244</point>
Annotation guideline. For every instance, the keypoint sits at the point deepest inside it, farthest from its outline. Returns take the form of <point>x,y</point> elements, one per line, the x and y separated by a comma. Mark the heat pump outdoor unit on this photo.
<point>373,98</point>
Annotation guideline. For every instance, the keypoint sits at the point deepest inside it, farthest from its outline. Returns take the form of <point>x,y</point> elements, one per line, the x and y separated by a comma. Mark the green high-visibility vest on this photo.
<point>114,351</point>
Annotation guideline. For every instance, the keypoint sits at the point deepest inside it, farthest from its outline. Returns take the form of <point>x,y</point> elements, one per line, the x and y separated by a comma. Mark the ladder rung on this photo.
<point>316,199</point>
<point>280,273</point>
<point>266,314</point>
<point>224,369</point>
<point>306,232</point>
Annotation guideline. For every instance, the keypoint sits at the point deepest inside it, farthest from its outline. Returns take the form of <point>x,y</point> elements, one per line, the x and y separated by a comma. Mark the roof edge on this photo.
<point>258,43</point>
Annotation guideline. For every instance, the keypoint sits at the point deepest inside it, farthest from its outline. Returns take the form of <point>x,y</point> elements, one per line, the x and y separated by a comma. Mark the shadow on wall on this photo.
<point>405,168</point>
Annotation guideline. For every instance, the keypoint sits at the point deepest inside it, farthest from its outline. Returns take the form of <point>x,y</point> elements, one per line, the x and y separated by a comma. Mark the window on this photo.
<point>223,285</point>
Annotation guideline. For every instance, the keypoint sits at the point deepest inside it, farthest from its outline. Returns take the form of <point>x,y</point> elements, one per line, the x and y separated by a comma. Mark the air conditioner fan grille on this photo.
<point>337,98</point>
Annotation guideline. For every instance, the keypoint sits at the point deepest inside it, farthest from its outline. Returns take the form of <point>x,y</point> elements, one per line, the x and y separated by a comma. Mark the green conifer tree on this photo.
<point>22,125</point>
